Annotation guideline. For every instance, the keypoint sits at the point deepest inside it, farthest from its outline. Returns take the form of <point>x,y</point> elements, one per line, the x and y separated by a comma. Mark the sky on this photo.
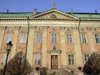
<point>78,6</point>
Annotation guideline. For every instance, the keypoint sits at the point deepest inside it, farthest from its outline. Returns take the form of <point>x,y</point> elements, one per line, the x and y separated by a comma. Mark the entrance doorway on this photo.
<point>54,61</point>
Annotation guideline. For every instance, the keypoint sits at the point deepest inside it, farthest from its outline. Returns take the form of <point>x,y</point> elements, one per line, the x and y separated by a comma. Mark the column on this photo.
<point>91,39</point>
<point>1,35</point>
<point>77,46</point>
<point>64,61</point>
<point>15,41</point>
<point>44,64</point>
<point>30,44</point>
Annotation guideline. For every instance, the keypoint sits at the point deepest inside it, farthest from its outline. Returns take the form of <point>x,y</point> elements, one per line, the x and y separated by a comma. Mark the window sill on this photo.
<point>97,43</point>
<point>71,65</point>
<point>38,43</point>
<point>22,43</point>
<point>84,43</point>
<point>69,43</point>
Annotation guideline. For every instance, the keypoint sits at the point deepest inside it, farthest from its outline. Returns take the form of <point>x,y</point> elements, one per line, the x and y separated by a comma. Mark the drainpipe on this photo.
<point>80,41</point>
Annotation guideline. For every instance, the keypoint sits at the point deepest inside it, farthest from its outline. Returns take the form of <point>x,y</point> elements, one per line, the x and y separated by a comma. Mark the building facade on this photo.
<point>52,39</point>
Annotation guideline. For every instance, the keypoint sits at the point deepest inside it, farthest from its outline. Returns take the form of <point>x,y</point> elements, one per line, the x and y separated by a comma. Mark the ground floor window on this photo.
<point>71,59</point>
<point>37,59</point>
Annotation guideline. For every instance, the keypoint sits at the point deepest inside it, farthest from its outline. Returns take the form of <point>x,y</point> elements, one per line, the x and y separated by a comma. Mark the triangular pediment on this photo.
<point>54,14</point>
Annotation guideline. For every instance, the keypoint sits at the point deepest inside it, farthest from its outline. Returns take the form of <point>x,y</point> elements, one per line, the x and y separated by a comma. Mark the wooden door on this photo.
<point>54,62</point>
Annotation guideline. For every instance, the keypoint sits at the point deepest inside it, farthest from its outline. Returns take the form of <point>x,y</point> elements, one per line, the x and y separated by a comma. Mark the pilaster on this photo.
<point>15,41</point>
<point>1,35</point>
<point>77,46</point>
<point>30,44</point>
<point>44,63</point>
<point>91,39</point>
<point>64,61</point>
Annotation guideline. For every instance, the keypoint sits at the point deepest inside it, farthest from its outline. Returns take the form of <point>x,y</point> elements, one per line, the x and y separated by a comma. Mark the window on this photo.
<point>69,38</point>
<point>83,38</point>
<point>4,55</point>
<point>53,38</point>
<point>23,38</point>
<point>20,57</point>
<point>37,59</point>
<point>8,37</point>
<point>99,56</point>
<point>86,57</point>
<point>71,59</point>
<point>97,38</point>
<point>38,37</point>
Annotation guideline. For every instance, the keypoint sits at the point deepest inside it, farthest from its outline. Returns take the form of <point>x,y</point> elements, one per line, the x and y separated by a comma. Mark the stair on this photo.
<point>58,72</point>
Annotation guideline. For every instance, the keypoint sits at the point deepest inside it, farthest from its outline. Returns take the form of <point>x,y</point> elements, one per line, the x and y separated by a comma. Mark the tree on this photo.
<point>18,65</point>
<point>92,66</point>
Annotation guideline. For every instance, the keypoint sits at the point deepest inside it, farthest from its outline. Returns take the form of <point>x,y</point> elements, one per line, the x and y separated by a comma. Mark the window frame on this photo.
<point>8,37</point>
<point>23,38</point>
<point>70,38</point>
<point>2,60</point>
<point>39,57</point>
<point>38,38</point>
<point>84,56</point>
<point>84,38</point>
<point>96,37</point>
<point>71,53</point>
<point>54,38</point>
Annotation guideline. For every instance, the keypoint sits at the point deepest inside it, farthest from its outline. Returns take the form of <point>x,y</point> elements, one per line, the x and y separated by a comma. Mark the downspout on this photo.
<point>27,37</point>
<point>80,42</point>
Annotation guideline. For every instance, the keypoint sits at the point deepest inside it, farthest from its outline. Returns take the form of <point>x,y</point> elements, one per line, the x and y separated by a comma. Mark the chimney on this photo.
<point>71,11</point>
<point>96,11</point>
<point>35,11</point>
<point>7,11</point>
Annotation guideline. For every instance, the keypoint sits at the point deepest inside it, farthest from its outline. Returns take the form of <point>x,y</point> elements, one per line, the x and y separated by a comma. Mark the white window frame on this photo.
<point>84,38</point>
<point>53,37</point>
<point>86,58</point>
<point>38,37</point>
<point>8,37</point>
<point>69,37</point>
<point>37,60</point>
<point>23,38</point>
<point>4,56</point>
<point>98,38</point>
<point>21,56</point>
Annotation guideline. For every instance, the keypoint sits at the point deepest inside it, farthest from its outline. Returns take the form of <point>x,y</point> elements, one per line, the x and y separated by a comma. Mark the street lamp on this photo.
<point>9,45</point>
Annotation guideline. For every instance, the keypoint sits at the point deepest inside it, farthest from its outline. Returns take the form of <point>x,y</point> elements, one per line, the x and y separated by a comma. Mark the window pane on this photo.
<point>54,38</point>
<point>23,38</point>
<point>4,58</point>
<point>8,37</point>
<point>37,59</point>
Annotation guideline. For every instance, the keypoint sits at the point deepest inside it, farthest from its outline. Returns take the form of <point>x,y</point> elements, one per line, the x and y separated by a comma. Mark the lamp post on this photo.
<point>9,45</point>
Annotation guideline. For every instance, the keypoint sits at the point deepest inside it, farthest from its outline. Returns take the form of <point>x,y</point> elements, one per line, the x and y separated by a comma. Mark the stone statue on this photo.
<point>71,11</point>
<point>53,5</point>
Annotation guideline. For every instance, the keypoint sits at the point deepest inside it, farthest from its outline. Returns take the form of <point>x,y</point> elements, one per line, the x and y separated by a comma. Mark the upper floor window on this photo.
<point>86,57</point>
<point>97,38</point>
<point>37,59</point>
<point>38,37</point>
<point>8,37</point>
<point>84,40</point>
<point>53,38</point>
<point>23,38</point>
<point>71,59</point>
<point>69,38</point>
<point>20,58</point>
<point>3,61</point>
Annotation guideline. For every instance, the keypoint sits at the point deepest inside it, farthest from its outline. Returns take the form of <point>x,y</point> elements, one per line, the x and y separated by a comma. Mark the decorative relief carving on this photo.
<point>75,28</point>
<point>62,28</point>
<point>97,47</point>
<point>17,28</point>
<point>84,47</point>
<point>54,51</point>
<point>3,28</point>
<point>45,27</point>
<point>89,28</point>
<point>32,28</point>
<point>22,47</point>
<point>70,48</point>
<point>38,48</point>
